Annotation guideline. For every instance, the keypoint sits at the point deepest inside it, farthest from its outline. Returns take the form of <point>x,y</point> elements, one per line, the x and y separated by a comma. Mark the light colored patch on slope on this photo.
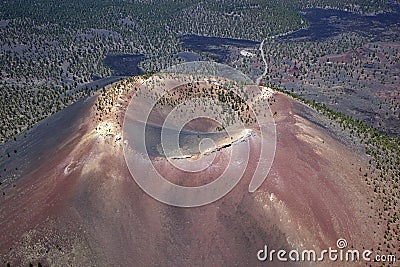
<point>284,219</point>
<point>312,137</point>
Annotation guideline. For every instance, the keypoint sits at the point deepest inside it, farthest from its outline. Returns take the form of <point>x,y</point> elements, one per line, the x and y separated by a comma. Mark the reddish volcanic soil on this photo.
<point>81,207</point>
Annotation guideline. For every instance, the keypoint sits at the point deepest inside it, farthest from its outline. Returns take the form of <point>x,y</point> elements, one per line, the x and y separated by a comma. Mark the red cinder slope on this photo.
<point>81,207</point>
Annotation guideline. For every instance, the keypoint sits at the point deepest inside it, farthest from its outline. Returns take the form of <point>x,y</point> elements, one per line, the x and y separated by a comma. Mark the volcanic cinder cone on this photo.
<point>73,200</point>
